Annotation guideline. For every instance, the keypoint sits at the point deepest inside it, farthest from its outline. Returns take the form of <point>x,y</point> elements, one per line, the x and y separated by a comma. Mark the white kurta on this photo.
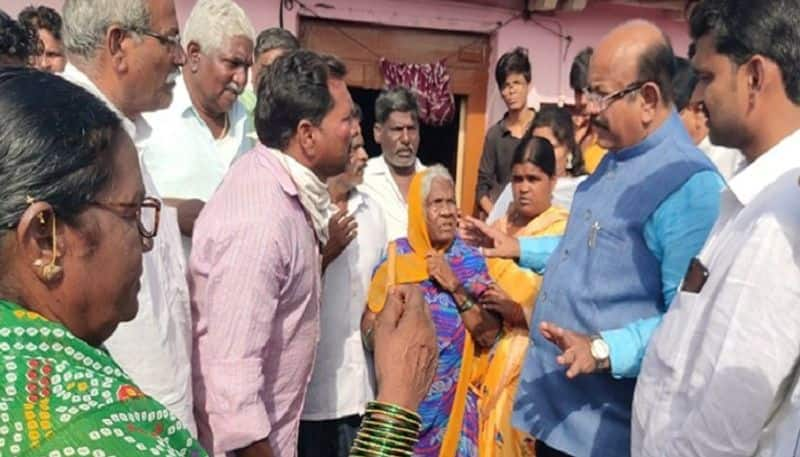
<point>155,347</point>
<point>719,377</point>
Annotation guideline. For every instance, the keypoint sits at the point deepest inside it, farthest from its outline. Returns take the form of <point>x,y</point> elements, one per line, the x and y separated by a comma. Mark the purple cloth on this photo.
<point>254,275</point>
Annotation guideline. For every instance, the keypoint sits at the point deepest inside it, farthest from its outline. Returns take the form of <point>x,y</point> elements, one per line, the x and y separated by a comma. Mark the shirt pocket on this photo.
<point>671,345</point>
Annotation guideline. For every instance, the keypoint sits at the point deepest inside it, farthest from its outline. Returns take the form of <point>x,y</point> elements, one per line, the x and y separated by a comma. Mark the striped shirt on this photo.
<point>254,276</point>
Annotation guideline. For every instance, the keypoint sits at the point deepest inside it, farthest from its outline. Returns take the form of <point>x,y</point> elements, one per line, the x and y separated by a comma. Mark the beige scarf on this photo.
<point>313,194</point>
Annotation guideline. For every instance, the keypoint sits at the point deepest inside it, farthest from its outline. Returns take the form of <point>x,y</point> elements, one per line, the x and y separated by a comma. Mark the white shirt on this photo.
<point>185,160</point>
<point>563,194</point>
<point>728,161</point>
<point>155,347</point>
<point>717,375</point>
<point>381,186</point>
<point>341,383</point>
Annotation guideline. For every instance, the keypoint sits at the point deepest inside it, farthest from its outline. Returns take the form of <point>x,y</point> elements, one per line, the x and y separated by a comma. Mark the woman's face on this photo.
<point>441,213</point>
<point>106,261</point>
<point>561,151</point>
<point>532,189</point>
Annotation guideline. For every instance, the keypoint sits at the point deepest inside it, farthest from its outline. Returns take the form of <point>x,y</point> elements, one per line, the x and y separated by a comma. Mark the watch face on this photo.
<point>599,349</point>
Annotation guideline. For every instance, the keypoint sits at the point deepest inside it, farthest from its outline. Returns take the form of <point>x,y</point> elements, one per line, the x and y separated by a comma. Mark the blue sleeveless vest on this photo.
<point>602,276</point>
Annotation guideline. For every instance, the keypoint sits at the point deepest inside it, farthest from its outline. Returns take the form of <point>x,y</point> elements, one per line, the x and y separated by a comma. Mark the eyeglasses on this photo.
<point>173,42</point>
<point>601,102</point>
<point>148,214</point>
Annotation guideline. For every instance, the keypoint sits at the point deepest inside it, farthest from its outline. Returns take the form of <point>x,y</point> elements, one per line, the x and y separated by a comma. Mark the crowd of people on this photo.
<point>198,257</point>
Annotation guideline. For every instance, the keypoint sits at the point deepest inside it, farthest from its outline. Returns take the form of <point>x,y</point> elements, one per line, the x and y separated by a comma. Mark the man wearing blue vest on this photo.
<point>635,225</point>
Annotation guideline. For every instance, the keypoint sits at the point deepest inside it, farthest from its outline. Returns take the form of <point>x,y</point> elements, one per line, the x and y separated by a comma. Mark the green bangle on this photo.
<point>356,451</point>
<point>381,447</point>
<point>412,415</point>
<point>370,422</point>
<point>397,414</point>
<point>389,436</point>
<point>388,433</point>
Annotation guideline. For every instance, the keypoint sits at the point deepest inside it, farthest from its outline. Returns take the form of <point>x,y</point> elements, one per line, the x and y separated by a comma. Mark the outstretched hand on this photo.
<point>576,349</point>
<point>493,242</point>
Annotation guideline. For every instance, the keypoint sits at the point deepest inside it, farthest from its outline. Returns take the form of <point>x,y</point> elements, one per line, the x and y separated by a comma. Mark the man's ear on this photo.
<point>651,99</point>
<point>193,53</point>
<point>117,47</point>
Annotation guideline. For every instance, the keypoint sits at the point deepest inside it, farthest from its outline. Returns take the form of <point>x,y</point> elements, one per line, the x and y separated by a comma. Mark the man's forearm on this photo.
<point>188,211</point>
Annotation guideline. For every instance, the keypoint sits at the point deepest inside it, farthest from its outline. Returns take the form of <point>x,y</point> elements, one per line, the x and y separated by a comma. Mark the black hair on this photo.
<point>744,28</point>
<point>657,64</point>
<point>41,17</point>
<point>514,61</point>
<point>535,150</point>
<point>275,38</point>
<point>683,83</point>
<point>17,44</point>
<point>293,88</point>
<point>50,151</point>
<point>396,99</point>
<point>579,72</point>
<point>559,120</point>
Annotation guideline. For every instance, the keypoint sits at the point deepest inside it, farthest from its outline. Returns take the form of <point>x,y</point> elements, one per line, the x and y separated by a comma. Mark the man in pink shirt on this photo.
<point>255,265</point>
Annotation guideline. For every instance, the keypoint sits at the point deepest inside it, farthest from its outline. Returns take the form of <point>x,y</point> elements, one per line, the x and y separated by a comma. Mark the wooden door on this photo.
<point>467,61</point>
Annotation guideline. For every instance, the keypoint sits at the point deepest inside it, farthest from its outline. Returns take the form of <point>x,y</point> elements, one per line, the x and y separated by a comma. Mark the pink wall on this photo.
<point>550,68</point>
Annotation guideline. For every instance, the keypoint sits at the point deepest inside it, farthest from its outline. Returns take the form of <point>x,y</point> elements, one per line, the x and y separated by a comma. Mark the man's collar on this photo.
<point>749,182</point>
<point>182,103</point>
<point>137,128</point>
<point>378,166</point>
<point>672,125</point>
<point>267,156</point>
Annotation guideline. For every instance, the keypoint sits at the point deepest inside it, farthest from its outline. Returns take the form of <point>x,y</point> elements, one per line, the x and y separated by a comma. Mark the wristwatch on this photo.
<point>600,353</point>
<point>466,306</point>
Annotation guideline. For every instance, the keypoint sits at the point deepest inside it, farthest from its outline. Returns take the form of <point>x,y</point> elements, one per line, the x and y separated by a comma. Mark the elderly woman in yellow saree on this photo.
<point>455,279</point>
<point>533,178</point>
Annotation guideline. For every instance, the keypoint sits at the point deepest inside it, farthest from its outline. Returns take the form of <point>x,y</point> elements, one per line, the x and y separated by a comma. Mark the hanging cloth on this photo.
<point>430,82</point>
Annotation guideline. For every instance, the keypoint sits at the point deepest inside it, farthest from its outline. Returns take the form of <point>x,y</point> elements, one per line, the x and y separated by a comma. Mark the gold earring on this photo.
<point>51,271</point>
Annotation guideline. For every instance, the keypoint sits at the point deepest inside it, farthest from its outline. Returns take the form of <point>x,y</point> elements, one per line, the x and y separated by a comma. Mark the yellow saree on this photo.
<point>497,437</point>
<point>404,266</point>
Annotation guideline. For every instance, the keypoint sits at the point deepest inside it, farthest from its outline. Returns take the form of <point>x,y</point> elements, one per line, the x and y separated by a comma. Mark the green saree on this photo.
<point>61,397</point>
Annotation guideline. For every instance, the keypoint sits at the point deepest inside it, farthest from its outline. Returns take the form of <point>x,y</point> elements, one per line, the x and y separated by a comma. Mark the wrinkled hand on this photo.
<point>496,299</point>
<point>440,271</point>
<point>405,348</point>
<point>576,349</point>
<point>493,242</point>
<point>342,229</point>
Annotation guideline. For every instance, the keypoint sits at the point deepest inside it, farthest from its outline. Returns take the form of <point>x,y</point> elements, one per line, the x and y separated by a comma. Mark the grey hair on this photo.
<point>87,21</point>
<point>396,99</point>
<point>212,22</point>
<point>431,173</point>
<point>275,38</point>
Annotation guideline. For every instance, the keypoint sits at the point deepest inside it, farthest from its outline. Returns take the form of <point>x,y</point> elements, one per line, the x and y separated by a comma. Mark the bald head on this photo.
<point>639,51</point>
<point>630,82</point>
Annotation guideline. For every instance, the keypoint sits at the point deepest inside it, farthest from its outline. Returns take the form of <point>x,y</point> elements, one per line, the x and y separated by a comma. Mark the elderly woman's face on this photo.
<point>441,213</point>
<point>110,264</point>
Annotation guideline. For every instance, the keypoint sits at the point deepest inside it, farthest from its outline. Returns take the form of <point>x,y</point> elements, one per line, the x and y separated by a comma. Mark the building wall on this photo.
<point>550,56</point>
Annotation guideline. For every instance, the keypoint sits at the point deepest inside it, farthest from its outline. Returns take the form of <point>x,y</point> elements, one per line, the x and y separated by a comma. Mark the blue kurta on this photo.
<point>602,276</point>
